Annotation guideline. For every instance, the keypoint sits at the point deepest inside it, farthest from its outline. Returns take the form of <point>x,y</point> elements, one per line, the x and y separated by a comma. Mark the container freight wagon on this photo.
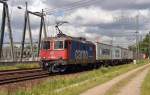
<point>112,55</point>
<point>127,55</point>
<point>107,54</point>
<point>59,53</point>
<point>116,52</point>
<point>103,51</point>
<point>130,55</point>
<point>116,55</point>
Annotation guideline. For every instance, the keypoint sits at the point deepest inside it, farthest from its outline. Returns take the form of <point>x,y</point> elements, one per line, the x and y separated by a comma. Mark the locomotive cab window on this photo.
<point>46,45</point>
<point>58,45</point>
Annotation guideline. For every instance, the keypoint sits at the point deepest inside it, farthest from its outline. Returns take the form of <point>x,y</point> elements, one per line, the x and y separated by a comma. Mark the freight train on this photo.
<point>63,52</point>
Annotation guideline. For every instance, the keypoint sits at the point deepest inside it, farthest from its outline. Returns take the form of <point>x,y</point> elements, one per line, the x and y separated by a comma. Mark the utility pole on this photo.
<point>24,31</point>
<point>149,44</point>
<point>5,16</point>
<point>2,29</point>
<point>137,36</point>
<point>40,33</point>
<point>27,21</point>
<point>112,46</point>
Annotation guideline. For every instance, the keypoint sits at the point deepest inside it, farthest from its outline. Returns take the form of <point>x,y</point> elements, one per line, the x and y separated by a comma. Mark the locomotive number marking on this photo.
<point>81,54</point>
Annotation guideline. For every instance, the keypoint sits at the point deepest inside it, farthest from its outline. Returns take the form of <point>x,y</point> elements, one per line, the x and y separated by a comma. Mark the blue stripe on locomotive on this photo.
<point>82,47</point>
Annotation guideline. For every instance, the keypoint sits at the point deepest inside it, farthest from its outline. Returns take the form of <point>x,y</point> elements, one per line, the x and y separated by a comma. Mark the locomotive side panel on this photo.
<point>81,52</point>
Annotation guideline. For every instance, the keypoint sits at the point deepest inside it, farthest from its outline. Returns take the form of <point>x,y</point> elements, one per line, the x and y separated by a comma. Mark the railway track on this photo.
<point>12,76</point>
<point>18,70</point>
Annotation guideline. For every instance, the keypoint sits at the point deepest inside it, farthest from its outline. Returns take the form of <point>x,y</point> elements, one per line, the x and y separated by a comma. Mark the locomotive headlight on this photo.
<point>46,64</point>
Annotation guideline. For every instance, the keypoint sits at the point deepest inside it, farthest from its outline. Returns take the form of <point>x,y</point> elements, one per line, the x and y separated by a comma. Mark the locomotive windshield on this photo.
<point>46,45</point>
<point>58,45</point>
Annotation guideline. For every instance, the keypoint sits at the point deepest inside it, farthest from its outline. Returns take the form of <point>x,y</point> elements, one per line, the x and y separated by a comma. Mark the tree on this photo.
<point>144,45</point>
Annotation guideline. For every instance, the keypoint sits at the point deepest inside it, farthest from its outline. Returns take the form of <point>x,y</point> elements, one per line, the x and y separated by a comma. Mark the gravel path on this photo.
<point>103,88</point>
<point>134,86</point>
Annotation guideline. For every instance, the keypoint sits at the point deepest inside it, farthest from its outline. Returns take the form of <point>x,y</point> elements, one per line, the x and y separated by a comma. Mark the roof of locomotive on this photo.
<point>81,39</point>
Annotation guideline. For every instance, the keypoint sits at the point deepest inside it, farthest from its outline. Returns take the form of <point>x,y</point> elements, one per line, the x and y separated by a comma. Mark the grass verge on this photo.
<point>20,66</point>
<point>74,85</point>
<point>146,85</point>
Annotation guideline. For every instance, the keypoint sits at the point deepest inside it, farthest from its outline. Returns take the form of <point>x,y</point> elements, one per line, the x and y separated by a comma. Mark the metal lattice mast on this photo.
<point>10,31</point>
<point>2,29</point>
<point>27,21</point>
<point>5,16</point>
<point>24,32</point>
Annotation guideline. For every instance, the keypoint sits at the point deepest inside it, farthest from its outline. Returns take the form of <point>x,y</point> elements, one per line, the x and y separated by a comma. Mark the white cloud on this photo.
<point>97,19</point>
<point>142,1</point>
<point>74,31</point>
<point>90,15</point>
<point>38,5</point>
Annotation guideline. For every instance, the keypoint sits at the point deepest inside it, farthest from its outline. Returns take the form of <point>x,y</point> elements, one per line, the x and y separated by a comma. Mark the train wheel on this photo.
<point>56,68</point>
<point>62,69</point>
<point>50,69</point>
<point>42,65</point>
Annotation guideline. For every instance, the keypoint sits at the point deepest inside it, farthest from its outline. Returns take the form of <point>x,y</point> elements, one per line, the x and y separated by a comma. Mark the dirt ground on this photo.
<point>132,88</point>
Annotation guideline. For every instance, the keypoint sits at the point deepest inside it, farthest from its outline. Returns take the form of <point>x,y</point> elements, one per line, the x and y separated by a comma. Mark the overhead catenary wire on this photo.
<point>71,6</point>
<point>74,5</point>
<point>76,2</point>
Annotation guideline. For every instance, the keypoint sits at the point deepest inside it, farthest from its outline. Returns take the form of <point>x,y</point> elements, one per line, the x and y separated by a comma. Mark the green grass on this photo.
<point>146,85</point>
<point>19,66</point>
<point>95,77</point>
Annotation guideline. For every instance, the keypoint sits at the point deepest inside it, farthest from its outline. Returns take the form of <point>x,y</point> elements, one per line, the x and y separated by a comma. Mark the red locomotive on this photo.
<point>60,52</point>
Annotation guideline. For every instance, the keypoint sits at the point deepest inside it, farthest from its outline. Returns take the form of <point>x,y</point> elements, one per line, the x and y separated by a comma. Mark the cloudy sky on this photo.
<point>107,21</point>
